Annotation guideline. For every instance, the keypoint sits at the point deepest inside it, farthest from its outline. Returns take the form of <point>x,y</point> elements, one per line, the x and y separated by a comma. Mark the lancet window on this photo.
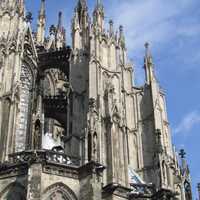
<point>26,82</point>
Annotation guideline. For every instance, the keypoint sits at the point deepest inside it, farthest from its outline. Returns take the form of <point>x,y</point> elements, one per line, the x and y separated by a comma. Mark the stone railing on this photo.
<point>142,190</point>
<point>43,156</point>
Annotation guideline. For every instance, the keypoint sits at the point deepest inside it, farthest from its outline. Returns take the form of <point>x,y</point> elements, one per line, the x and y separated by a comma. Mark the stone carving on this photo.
<point>92,129</point>
<point>37,135</point>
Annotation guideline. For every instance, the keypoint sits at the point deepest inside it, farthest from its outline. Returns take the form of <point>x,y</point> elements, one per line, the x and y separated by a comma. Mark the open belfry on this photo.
<point>73,125</point>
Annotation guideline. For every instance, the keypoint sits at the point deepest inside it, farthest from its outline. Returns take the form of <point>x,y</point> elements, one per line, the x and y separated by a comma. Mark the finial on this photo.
<point>29,17</point>
<point>121,29</point>
<point>182,153</point>
<point>60,20</point>
<point>146,45</point>
<point>52,30</point>
<point>147,49</point>
<point>148,53</point>
<point>111,28</point>
<point>121,32</point>
<point>148,64</point>
<point>83,3</point>
<point>98,2</point>
<point>121,36</point>
<point>42,8</point>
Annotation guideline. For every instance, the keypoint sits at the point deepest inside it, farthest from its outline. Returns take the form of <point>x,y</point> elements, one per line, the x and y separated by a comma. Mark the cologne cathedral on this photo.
<point>73,125</point>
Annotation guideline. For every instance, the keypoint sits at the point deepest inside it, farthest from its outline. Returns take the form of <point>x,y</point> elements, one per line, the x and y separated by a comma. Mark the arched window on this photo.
<point>26,84</point>
<point>58,195</point>
<point>59,191</point>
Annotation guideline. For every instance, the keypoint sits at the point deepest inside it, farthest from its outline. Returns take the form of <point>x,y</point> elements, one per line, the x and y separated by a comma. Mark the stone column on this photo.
<point>34,182</point>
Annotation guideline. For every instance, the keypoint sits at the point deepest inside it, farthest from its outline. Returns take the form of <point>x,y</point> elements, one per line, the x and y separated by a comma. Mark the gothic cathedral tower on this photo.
<point>72,123</point>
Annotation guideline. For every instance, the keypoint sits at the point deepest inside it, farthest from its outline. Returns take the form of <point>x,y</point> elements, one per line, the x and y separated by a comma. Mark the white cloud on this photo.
<point>151,20</point>
<point>188,122</point>
<point>165,24</point>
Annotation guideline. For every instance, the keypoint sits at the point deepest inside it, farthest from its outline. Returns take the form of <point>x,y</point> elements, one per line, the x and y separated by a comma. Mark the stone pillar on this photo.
<point>34,182</point>
<point>91,186</point>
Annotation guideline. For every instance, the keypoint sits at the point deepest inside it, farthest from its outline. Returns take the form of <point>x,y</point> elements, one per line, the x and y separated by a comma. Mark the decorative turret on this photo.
<point>122,37</point>
<point>41,24</point>
<point>80,26</point>
<point>98,16</point>
<point>51,43</point>
<point>111,28</point>
<point>82,14</point>
<point>148,65</point>
<point>60,33</point>
<point>183,161</point>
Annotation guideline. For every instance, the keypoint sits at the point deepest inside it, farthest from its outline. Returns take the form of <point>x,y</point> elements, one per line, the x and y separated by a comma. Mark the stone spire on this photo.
<point>60,21</point>
<point>41,24</point>
<point>148,64</point>
<point>83,4</point>
<point>60,34</point>
<point>98,16</point>
<point>122,37</point>
<point>111,28</point>
<point>80,25</point>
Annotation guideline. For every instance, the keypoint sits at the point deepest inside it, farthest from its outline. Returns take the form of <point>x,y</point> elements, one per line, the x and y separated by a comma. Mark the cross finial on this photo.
<point>42,8</point>
<point>146,45</point>
<point>52,30</point>
<point>182,153</point>
<point>60,20</point>
<point>147,49</point>
<point>29,17</point>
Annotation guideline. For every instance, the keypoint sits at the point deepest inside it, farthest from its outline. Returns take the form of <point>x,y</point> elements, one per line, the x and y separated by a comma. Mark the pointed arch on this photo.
<point>59,191</point>
<point>49,82</point>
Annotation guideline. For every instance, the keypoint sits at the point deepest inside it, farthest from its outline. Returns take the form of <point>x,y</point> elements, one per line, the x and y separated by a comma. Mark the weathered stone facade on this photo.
<point>72,123</point>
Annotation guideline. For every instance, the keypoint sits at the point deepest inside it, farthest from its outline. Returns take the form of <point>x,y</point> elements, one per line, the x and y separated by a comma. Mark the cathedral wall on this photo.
<point>112,57</point>
<point>115,197</point>
<point>130,118</point>
<point>8,186</point>
<point>50,179</point>
<point>78,123</point>
<point>133,150</point>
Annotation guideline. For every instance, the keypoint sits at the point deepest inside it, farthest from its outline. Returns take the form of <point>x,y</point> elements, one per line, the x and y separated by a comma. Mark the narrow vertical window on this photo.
<point>24,108</point>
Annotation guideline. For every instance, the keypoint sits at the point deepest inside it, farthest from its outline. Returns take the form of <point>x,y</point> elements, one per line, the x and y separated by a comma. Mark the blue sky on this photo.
<point>172,28</point>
